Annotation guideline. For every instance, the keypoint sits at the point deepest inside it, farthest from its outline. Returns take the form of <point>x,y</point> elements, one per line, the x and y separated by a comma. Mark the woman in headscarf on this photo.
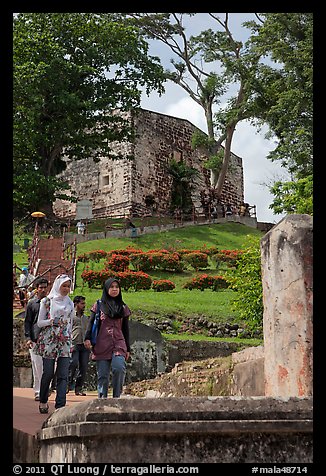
<point>54,341</point>
<point>112,348</point>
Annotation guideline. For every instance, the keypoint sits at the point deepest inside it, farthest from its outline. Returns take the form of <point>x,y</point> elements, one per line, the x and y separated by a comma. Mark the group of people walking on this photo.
<point>58,335</point>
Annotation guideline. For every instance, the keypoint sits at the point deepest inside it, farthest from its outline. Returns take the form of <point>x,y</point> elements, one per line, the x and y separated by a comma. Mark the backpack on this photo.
<point>95,325</point>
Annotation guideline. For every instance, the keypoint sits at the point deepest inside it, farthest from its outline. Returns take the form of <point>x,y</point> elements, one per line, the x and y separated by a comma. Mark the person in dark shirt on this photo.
<point>80,355</point>
<point>112,348</point>
<point>31,315</point>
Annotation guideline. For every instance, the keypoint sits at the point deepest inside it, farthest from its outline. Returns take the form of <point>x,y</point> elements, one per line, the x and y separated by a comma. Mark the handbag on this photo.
<point>95,325</point>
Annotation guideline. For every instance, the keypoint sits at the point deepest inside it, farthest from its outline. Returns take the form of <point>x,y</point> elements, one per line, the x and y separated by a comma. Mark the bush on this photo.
<point>196,259</point>
<point>118,262</point>
<point>246,280</point>
<point>163,285</point>
<point>206,281</point>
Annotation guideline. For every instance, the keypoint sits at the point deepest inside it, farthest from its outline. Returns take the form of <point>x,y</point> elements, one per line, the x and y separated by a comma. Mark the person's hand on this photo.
<point>127,356</point>
<point>29,344</point>
<point>87,344</point>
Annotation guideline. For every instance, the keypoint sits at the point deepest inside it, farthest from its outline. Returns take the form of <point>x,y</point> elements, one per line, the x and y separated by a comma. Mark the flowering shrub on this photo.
<point>196,259</point>
<point>153,259</point>
<point>96,278</point>
<point>212,250</point>
<point>128,279</point>
<point>170,262</point>
<point>118,262</point>
<point>136,280</point>
<point>163,285</point>
<point>125,252</point>
<point>206,281</point>
<point>230,257</point>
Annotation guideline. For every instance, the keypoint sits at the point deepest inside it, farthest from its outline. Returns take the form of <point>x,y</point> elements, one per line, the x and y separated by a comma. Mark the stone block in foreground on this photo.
<point>180,430</point>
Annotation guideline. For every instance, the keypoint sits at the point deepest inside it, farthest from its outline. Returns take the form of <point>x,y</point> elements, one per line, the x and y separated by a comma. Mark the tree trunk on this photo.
<point>226,160</point>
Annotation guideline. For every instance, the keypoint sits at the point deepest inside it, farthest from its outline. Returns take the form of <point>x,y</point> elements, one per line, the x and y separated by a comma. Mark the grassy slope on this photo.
<point>214,305</point>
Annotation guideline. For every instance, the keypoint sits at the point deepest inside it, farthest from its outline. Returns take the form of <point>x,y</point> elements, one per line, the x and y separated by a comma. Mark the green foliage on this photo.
<point>196,260</point>
<point>182,175</point>
<point>71,70</point>
<point>271,74</point>
<point>224,236</point>
<point>293,197</point>
<point>199,139</point>
<point>285,102</point>
<point>215,161</point>
<point>246,280</point>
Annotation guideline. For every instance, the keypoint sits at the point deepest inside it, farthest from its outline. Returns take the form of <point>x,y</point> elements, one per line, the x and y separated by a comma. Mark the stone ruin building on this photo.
<point>142,186</point>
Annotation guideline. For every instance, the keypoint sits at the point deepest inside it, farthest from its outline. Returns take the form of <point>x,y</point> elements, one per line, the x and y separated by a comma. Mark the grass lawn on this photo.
<point>216,306</point>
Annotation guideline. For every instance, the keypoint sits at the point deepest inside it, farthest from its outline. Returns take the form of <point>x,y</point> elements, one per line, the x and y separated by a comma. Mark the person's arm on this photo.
<point>43,320</point>
<point>88,333</point>
<point>125,332</point>
<point>28,322</point>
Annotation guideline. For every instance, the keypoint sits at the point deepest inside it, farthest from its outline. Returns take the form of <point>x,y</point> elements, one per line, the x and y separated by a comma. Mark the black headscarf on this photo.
<point>112,307</point>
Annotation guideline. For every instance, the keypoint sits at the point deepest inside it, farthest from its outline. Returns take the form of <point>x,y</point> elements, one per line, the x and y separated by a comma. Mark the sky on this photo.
<point>250,145</point>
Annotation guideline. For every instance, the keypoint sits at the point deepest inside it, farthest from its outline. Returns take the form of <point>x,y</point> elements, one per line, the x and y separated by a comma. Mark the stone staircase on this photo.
<point>51,259</point>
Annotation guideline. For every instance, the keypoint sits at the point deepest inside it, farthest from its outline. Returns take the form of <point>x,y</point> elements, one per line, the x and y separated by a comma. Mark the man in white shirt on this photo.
<point>25,280</point>
<point>81,228</point>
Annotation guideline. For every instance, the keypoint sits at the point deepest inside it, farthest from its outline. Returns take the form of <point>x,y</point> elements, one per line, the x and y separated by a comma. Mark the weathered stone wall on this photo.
<point>287,278</point>
<point>118,187</point>
<point>180,430</point>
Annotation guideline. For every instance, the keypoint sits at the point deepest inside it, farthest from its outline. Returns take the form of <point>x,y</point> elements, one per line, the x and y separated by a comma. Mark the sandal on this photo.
<point>44,409</point>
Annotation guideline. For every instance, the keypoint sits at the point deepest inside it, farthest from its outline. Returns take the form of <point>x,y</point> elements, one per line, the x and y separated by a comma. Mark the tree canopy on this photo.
<point>286,102</point>
<point>72,71</point>
<point>272,76</point>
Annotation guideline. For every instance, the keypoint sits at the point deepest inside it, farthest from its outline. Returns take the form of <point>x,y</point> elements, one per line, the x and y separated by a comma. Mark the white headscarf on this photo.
<point>58,301</point>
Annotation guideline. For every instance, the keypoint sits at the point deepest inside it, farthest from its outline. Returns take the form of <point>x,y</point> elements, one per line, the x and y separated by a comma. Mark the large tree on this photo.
<point>207,66</point>
<point>286,102</point>
<point>268,80</point>
<point>71,72</point>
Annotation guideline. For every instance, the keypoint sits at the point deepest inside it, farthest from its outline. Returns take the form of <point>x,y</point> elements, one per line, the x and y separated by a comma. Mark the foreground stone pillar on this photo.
<point>287,280</point>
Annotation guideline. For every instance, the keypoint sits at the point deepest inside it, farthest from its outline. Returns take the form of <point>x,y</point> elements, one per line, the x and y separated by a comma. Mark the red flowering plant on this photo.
<point>141,261</point>
<point>206,281</point>
<point>134,279</point>
<point>95,278</point>
<point>196,259</point>
<point>229,257</point>
<point>125,252</point>
<point>162,285</point>
<point>118,262</point>
<point>170,262</point>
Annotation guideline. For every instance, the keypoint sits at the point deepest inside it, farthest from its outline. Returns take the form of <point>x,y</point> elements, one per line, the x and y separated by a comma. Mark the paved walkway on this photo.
<point>26,415</point>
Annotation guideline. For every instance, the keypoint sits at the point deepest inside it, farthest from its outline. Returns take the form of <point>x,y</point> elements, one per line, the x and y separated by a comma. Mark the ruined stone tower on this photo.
<point>125,187</point>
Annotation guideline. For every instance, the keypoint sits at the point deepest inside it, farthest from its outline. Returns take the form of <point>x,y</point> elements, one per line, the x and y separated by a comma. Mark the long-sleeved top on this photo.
<point>112,337</point>
<point>79,327</point>
<point>31,315</point>
<point>54,340</point>
<point>26,280</point>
